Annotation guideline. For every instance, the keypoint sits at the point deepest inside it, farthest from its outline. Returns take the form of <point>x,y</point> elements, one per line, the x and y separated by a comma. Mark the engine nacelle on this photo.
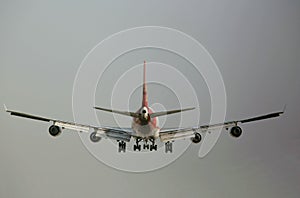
<point>54,130</point>
<point>236,131</point>
<point>94,137</point>
<point>197,138</point>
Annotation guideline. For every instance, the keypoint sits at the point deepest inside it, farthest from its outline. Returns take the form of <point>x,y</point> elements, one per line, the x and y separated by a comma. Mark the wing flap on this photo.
<point>74,126</point>
<point>177,134</point>
<point>118,135</point>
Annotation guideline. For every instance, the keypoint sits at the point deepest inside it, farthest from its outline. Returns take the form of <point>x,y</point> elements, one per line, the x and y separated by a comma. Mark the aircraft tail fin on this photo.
<point>145,95</point>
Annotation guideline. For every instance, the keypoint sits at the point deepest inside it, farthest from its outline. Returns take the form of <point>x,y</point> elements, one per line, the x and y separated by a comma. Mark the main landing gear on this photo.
<point>168,147</point>
<point>137,146</point>
<point>122,146</point>
<point>152,146</point>
<point>147,146</point>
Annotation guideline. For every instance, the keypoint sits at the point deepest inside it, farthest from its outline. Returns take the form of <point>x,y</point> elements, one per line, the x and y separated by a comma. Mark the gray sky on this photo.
<point>256,45</point>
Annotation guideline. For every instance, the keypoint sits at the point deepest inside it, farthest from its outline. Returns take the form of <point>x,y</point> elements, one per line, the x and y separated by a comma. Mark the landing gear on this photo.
<point>137,146</point>
<point>146,146</point>
<point>153,146</point>
<point>168,147</point>
<point>122,146</point>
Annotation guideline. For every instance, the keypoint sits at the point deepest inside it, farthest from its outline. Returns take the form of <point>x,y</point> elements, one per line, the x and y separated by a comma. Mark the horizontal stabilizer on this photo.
<point>127,113</point>
<point>162,113</point>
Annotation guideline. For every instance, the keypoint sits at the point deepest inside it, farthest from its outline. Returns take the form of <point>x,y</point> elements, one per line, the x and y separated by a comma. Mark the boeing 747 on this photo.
<point>144,126</point>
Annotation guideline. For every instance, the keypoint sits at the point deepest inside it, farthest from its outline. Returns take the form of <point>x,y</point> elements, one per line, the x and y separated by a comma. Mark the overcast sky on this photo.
<point>255,44</point>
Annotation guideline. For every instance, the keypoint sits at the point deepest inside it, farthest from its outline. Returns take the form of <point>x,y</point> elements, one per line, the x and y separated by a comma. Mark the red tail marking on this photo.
<point>145,96</point>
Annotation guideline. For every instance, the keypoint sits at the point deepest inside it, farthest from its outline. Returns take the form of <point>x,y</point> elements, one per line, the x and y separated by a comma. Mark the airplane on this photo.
<point>144,126</point>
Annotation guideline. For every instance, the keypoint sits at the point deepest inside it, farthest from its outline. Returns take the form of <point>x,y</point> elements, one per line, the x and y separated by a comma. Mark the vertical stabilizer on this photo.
<point>145,96</point>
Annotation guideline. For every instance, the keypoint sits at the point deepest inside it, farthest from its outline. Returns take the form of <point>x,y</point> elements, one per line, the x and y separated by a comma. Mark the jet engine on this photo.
<point>236,131</point>
<point>94,137</point>
<point>197,138</point>
<point>54,130</point>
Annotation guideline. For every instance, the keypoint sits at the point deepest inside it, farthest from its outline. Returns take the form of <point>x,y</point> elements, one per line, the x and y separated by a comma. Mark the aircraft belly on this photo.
<point>148,130</point>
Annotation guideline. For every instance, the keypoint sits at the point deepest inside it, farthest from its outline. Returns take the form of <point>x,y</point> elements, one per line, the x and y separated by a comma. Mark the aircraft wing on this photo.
<point>182,133</point>
<point>123,134</point>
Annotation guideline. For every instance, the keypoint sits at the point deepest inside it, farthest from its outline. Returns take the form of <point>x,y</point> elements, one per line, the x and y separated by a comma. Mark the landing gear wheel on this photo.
<point>168,147</point>
<point>122,146</point>
<point>153,147</point>
<point>146,146</point>
<point>137,146</point>
<point>94,138</point>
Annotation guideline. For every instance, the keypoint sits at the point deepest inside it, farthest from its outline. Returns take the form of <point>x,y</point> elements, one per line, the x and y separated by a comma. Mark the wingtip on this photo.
<point>284,108</point>
<point>98,108</point>
<point>191,108</point>
<point>5,108</point>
